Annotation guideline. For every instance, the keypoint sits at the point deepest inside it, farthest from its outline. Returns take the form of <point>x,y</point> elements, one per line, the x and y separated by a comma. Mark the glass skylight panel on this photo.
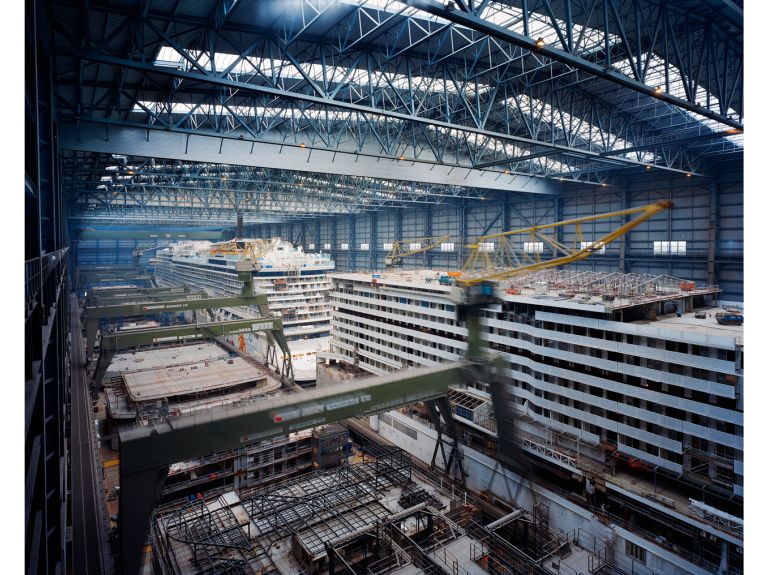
<point>388,246</point>
<point>364,247</point>
<point>486,246</point>
<point>447,247</point>
<point>656,76</point>
<point>414,246</point>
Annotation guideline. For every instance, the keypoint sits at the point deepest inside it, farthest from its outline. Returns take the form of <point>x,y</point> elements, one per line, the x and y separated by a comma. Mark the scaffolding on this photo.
<point>329,446</point>
<point>617,289</point>
<point>522,542</point>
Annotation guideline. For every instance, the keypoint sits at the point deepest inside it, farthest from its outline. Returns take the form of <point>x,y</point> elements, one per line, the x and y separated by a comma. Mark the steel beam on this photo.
<point>123,298</point>
<point>189,302</point>
<point>114,234</point>
<point>179,333</point>
<point>146,141</point>
<point>122,293</point>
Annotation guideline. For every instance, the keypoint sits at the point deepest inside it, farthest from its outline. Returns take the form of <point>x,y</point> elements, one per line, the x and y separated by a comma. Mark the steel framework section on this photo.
<point>199,145</point>
<point>593,36</point>
<point>133,234</point>
<point>459,89</point>
<point>221,189</point>
<point>146,453</point>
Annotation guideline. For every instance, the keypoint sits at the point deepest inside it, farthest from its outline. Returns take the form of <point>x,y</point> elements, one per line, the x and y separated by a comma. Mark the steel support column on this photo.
<point>713,233</point>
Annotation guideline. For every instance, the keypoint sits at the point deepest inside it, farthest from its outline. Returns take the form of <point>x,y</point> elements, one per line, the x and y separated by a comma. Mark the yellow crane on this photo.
<point>404,248</point>
<point>499,256</point>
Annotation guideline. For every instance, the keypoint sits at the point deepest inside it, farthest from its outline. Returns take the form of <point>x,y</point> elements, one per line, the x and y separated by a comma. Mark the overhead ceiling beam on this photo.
<point>324,102</point>
<point>119,138</point>
<point>115,234</point>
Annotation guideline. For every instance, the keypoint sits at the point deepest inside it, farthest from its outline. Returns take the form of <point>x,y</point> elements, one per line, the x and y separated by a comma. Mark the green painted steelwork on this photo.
<point>146,452</point>
<point>133,292</point>
<point>220,429</point>
<point>124,298</point>
<point>180,333</point>
<point>189,302</point>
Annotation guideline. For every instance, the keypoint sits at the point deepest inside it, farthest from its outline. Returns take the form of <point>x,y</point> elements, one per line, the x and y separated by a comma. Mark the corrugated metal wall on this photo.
<point>702,207</point>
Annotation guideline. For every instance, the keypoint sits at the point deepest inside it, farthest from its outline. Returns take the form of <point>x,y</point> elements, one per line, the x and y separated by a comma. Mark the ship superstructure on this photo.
<point>295,282</point>
<point>623,386</point>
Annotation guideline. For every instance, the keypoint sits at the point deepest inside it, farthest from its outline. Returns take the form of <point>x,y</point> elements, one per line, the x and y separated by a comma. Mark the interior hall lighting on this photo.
<point>540,42</point>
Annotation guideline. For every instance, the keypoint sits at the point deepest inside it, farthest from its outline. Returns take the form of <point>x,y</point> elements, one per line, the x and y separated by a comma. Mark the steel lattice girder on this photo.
<point>113,234</point>
<point>404,113</point>
<point>218,192</point>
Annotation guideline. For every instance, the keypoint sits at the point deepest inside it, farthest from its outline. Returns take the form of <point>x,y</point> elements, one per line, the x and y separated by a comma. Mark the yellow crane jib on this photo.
<point>499,256</point>
<point>404,248</point>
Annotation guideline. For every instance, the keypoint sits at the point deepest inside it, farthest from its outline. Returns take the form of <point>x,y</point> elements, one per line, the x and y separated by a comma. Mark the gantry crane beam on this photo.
<point>111,343</point>
<point>402,248</point>
<point>180,333</point>
<point>128,309</point>
<point>484,265</point>
<point>140,298</point>
<point>190,302</point>
<point>117,293</point>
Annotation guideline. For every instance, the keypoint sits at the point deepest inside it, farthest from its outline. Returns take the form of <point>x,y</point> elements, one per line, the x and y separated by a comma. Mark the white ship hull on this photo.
<point>295,282</point>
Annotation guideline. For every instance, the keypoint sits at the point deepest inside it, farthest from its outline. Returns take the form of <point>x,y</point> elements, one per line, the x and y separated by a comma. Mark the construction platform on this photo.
<point>190,379</point>
<point>164,357</point>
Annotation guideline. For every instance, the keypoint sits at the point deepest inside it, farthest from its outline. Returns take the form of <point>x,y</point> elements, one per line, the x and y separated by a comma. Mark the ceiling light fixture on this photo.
<point>540,43</point>
<point>658,90</point>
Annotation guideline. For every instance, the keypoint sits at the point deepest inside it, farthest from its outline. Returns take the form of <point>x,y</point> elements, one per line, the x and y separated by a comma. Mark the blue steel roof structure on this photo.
<point>193,111</point>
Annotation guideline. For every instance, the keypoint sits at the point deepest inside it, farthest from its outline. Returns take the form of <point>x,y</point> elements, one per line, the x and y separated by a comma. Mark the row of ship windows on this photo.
<point>398,358</point>
<point>399,312</point>
<point>636,381</point>
<point>667,345</point>
<point>669,367</point>
<point>401,300</point>
<point>226,285</point>
<point>722,451</point>
<point>373,322</point>
<point>692,417</point>
<point>399,341</point>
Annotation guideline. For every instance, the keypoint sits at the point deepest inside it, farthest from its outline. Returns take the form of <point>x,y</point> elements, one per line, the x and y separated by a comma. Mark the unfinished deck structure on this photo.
<point>160,384</point>
<point>622,384</point>
<point>376,517</point>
